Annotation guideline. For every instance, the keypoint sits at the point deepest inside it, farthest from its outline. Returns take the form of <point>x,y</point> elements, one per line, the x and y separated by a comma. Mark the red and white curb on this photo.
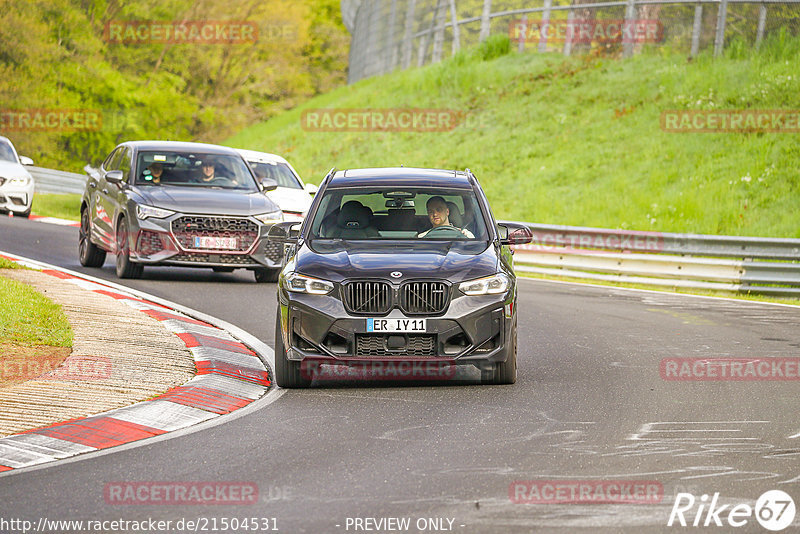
<point>230,375</point>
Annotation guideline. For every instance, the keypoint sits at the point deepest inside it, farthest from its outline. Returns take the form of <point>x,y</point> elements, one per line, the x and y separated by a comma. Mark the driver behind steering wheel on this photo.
<point>439,215</point>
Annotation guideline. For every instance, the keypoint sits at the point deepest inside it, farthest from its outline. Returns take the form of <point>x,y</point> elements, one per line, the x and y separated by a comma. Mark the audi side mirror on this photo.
<point>113,177</point>
<point>269,184</point>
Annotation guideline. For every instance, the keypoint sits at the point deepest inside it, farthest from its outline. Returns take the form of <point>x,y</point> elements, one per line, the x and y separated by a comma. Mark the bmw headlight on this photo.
<point>298,283</point>
<point>491,285</point>
<point>20,181</point>
<point>144,212</point>
<point>271,217</point>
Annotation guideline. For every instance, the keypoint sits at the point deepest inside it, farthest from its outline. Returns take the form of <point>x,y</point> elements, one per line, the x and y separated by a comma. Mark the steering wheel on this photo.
<point>448,229</point>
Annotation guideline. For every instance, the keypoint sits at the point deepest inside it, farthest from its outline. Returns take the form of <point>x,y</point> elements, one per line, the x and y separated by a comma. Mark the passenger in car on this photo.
<point>156,170</point>
<point>208,173</point>
<point>439,216</point>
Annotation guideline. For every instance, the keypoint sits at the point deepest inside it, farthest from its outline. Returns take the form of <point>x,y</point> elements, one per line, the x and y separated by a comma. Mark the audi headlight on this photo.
<point>144,212</point>
<point>21,180</point>
<point>270,218</point>
<point>491,285</point>
<point>298,283</point>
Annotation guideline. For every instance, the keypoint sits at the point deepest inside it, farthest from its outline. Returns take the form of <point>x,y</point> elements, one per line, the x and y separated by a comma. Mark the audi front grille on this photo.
<point>186,228</point>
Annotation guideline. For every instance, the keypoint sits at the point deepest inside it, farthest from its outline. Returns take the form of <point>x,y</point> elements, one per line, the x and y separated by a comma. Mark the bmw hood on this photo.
<point>206,200</point>
<point>9,169</point>
<point>456,261</point>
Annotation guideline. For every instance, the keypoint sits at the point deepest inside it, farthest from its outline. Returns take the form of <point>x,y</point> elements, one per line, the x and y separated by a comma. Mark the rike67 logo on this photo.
<point>774,510</point>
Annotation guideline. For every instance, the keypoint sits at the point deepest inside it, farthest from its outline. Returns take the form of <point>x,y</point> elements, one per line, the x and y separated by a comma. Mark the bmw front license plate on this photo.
<point>207,242</point>
<point>396,325</point>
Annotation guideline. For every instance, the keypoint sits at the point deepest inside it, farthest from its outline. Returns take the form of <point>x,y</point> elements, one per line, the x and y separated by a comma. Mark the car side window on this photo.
<point>125,164</point>
<point>112,161</point>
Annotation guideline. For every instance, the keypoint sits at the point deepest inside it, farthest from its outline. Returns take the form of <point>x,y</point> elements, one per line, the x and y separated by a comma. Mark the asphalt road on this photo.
<point>589,404</point>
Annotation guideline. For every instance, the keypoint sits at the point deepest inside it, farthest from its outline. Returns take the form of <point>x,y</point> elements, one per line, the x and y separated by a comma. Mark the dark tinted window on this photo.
<point>125,164</point>
<point>112,161</point>
<point>193,169</point>
<point>399,213</point>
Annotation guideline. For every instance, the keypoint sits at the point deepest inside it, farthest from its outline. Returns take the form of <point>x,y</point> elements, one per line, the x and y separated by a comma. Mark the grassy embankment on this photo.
<point>34,332</point>
<point>578,140</point>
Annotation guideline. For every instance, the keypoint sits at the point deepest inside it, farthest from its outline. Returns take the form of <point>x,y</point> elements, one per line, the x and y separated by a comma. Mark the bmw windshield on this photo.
<point>6,152</point>
<point>399,213</point>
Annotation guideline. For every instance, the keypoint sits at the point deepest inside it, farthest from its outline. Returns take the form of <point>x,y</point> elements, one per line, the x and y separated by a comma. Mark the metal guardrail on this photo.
<point>765,266</point>
<point>61,182</point>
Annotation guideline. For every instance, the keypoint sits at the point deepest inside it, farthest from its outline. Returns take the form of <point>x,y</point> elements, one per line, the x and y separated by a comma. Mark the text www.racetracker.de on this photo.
<point>199,524</point>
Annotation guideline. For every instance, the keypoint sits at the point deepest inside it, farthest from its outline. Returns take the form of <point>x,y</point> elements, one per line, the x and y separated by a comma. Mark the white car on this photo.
<point>16,183</point>
<point>292,195</point>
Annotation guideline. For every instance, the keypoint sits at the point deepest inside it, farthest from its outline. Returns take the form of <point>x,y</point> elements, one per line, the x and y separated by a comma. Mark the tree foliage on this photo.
<point>54,55</point>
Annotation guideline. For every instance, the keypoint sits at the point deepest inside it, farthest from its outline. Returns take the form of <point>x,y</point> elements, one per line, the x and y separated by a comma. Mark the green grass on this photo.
<point>28,317</point>
<point>60,206</point>
<point>8,264</point>
<point>578,140</point>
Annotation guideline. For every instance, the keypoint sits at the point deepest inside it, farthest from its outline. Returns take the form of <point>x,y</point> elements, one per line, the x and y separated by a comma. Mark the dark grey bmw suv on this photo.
<point>396,267</point>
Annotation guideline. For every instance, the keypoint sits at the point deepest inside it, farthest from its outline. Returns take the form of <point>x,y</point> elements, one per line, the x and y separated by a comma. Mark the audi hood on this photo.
<point>210,201</point>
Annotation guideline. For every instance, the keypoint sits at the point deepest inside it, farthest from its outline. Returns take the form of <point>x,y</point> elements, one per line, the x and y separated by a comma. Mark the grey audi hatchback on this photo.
<point>173,203</point>
<point>397,269</point>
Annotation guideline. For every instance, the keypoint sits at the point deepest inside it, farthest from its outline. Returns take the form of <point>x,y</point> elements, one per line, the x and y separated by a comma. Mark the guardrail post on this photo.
<point>391,41</point>
<point>456,30</point>
<point>630,21</point>
<point>486,20</point>
<point>696,28</point>
<point>439,18</point>
<point>719,40</point>
<point>570,34</point>
<point>762,21</point>
<point>408,37</point>
<point>545,23</point>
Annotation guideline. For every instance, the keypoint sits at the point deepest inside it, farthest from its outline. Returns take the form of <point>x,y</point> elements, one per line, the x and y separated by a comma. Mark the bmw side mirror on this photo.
<point>113,177</point>
<point>311,189</point>
<point>514,234</point>
<point>284,232</point>
<point>25,160</point>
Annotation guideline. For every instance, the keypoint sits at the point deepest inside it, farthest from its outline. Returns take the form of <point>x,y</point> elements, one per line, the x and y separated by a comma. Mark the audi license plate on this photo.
<point>208,242</point>
<point>396,325</point>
